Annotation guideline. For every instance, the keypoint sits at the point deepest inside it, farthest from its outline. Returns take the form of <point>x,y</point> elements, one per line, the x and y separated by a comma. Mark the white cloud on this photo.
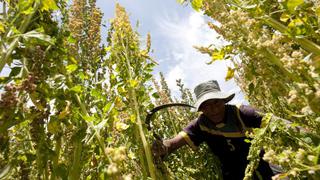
<point>175,73</point>
<point>186,62</point>
<point>196,20</point>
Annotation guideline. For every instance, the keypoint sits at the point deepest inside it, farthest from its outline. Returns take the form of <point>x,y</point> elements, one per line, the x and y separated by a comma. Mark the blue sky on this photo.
<point>174,30</point>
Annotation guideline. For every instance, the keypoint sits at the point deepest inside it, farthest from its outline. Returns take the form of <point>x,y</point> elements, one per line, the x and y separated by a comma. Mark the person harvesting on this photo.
<point>222,127</point>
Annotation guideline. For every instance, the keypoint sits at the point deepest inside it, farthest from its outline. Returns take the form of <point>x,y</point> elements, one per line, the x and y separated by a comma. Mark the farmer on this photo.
<point>222,127</point>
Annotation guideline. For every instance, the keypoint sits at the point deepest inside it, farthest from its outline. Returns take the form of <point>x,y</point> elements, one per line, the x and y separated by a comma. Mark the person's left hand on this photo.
<point>159,149</point>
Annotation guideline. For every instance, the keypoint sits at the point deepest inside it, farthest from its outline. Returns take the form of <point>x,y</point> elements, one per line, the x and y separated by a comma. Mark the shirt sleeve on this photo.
<point>250,116</point>
<point>192,134</point>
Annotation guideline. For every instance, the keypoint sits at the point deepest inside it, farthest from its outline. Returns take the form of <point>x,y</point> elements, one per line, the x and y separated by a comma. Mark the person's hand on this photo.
<point>159,150</point>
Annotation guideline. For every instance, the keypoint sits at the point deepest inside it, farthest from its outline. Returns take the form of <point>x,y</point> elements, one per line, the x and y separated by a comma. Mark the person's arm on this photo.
<point>190,135</point>
<point>250,116</point>
<point>174,143</point>
<point>165,147</point>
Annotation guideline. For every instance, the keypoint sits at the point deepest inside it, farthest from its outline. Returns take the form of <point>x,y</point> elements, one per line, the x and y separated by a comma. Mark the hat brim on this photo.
<point>213,95</point>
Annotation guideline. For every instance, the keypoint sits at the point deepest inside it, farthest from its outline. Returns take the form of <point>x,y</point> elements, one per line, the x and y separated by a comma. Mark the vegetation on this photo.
<point>72,107</point>
<point>274,47</point>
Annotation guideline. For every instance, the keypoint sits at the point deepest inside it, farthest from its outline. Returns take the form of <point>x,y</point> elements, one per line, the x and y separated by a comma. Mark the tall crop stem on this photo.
<point>85,112</point>
<point>305,43</point>
<point>139,122</point>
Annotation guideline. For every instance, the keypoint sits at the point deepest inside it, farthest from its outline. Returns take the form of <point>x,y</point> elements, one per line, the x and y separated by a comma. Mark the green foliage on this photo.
<point>73,108</point>
<point>293,4</point>
<point>275,52</point>
<point>133,69</point>
<point>55,103</point>
<point>197,4</point>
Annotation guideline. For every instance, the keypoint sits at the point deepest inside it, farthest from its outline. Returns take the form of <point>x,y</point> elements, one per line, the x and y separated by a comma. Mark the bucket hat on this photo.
<point>210,90</point>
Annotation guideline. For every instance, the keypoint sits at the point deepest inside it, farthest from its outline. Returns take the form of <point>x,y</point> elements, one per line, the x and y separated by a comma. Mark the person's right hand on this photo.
<point>159,149</point>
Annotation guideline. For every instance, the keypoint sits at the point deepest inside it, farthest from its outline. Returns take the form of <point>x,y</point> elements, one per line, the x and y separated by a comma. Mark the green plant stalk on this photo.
<point>84,111</point>
<point>4,11</point>
<point>96,133</point>
<point>146,147</point>
<point>144,164</point>
<point>6,53</point>
<point>305,43</point>
<point>39,158</point>
<point>46,172</point>
<point>56,158</point>
<point>143,138</point>
<point>276,61</point>
<point>318,154</point>
<point>25,70</point>
<point>172,122</point>
<point>31,144</point>
<point>75,167</point>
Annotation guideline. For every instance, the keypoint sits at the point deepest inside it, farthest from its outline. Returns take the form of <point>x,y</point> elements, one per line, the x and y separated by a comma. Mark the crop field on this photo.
<point>72,107</point>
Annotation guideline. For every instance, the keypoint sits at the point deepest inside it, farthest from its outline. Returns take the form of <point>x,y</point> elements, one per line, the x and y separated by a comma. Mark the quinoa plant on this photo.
<point>274,49</point>
<point>62,113</point>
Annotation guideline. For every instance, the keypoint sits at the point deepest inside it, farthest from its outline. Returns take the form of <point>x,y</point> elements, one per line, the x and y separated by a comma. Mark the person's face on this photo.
<point>212,107</point>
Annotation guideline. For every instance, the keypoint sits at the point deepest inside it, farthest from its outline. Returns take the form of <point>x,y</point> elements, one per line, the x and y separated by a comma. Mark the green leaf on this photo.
<point>120,126</point>
<point>4,80</point>
<point>155,95</point>
<point>61,171</point>
<point>230,74</point>
<point>284,17</point>
<point>76,89</point>
<point>316,62</point>
<point>108,48</point>
<point>95,93</point>
<point>197,4</point>
<point>71,68</point>
<point>273,126</point>
<point>217,55</point>
<point>296,27</point>
<point>2,27</point>
<point>318,11</point>
<point>292,4</point>
<point>295,23</point>
<point>109,139</point>
<point>133,118</point>
<point>5,171</point>
<point>28,11</point>
<point>89,118</point>
<point>15,71</point>
<point>48,5</point>
<point>181,1</point>
<point>71,40</point>
<point>54,126</point>
<point>107,107</point>
<point>133,83</point>
<point>82,76</point>
<point>38,35</point>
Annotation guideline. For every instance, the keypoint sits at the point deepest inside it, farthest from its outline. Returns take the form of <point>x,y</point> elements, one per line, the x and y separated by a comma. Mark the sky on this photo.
<point>174,30</point>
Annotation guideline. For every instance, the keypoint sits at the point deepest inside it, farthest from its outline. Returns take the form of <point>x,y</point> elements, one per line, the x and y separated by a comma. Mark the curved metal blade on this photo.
<point>154,110</point>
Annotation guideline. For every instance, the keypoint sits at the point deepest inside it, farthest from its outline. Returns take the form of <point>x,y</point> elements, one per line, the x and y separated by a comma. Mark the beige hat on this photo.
<point>210,90</point>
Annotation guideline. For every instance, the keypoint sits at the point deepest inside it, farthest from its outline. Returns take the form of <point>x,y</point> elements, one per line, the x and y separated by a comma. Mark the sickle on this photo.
<point>154,110</point>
